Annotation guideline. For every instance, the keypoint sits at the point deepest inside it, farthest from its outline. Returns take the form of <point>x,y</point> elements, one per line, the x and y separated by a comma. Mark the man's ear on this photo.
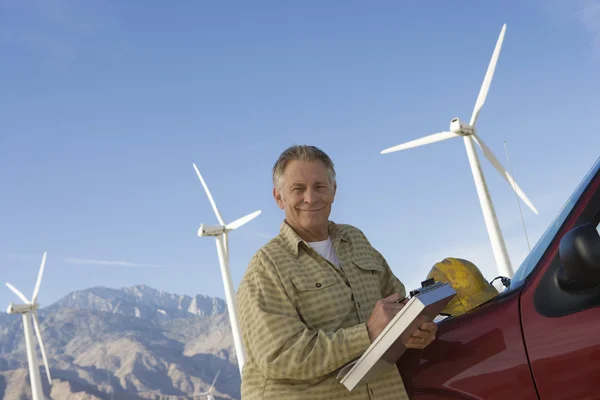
<point>277,197</point>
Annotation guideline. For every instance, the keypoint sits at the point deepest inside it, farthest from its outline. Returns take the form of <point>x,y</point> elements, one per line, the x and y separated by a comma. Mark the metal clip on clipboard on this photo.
<point>426,286</point>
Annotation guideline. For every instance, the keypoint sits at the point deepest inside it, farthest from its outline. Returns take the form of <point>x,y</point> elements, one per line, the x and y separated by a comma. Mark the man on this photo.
<point>316,296</point>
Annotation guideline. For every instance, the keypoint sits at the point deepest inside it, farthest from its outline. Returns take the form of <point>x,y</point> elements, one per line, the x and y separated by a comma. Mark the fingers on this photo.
<point>421,334</point>
<point>392,298</point>
<point>385,310</point>
<point>422,337</point>
<point>429,326</point>
<point>417,343</point>
<point>388,305</point>
<point>390,309</point>
<point>419,340</point>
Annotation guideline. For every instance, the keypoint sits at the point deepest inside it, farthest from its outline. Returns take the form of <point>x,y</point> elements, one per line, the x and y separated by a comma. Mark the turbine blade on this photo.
<point>38,333</point>
<point>436,137</point>
<point>487,80</point>
<point>210,198</point>
<point>39,280</point>
<point>18,293</point>
<point>213,382</point>
<point>242,221</point>
<point>490,156</point>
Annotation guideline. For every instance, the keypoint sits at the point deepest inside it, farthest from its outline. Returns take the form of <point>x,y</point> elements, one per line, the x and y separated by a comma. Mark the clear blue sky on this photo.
<point>104,106</point>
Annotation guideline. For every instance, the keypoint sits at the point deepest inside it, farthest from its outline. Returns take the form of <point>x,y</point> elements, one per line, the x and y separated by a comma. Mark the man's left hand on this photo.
<point>422,337</point>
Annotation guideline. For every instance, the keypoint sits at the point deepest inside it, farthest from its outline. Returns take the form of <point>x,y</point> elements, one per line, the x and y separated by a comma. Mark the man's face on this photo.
<point>305,195</point>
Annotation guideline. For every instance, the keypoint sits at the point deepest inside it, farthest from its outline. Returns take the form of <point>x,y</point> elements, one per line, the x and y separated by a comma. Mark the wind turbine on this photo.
<point>30,307</point>
<point>220,233</point>
<point>469,134</point>
<point>208,393</point>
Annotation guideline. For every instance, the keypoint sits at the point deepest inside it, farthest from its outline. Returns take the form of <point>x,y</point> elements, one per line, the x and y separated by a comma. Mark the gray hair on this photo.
<point>302,153</point>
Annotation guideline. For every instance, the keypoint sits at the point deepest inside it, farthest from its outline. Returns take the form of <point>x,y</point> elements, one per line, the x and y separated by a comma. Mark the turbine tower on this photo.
<point>469,134</point>
<point>220,233</point>
<point>29,310</point>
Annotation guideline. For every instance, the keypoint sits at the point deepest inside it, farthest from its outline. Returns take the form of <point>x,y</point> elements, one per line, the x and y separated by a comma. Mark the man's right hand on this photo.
<point>384,311</point>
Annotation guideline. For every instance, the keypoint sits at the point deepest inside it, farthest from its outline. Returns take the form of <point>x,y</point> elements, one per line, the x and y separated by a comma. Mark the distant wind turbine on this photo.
<point>29,311</point>
<point>469,134</point>
<point>220,233</point>
<point>208,393</point>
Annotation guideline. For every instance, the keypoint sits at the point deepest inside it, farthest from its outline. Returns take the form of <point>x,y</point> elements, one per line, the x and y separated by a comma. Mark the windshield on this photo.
<point>537,252</point>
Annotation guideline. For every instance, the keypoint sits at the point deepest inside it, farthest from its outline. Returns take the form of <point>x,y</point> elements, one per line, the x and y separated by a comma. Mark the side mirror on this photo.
<point>579,253</point>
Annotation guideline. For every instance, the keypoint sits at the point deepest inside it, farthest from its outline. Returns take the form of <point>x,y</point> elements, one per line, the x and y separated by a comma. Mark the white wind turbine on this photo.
<point>220,232</point>
<point>468,131</point>
<point>30,307</point>
<point>208,393</point>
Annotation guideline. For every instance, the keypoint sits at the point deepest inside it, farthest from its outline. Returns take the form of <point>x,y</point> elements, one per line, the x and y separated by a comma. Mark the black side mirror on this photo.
<point>579,253</point>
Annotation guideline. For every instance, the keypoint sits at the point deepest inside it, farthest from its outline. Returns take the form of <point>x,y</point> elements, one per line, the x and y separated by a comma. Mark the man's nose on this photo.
<point>310,196</point>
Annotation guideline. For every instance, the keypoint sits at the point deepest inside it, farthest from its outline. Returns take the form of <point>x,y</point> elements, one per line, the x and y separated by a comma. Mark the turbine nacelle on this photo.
<point>461,128</point>
<point>20,308</point>
<point>215,230</point>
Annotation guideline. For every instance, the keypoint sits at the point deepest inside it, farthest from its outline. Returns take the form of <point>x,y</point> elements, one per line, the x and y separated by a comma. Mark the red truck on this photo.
<point>538,339</point>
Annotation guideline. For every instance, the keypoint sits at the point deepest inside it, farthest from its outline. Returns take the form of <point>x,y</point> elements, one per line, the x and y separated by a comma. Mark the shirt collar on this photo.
<point>293,240</point>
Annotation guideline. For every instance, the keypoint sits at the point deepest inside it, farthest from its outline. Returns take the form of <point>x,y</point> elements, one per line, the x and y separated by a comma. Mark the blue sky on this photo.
<point>105,106</point>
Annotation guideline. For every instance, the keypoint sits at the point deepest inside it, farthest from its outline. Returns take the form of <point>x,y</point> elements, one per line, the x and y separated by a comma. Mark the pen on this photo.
<point>401,300</point>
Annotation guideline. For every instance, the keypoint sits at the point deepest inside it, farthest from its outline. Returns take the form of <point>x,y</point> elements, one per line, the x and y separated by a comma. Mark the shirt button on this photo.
<point>318,284</point>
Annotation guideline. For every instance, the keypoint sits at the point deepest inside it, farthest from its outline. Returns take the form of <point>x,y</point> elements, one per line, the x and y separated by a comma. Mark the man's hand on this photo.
<point>422,337</point>
<point>384,311</point>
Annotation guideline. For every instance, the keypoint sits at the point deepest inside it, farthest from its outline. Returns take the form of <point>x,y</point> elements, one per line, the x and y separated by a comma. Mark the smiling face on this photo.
<point>306,194</point>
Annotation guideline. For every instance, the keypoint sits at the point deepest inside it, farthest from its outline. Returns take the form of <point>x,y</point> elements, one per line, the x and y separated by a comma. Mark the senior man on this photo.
<point>315,296</point>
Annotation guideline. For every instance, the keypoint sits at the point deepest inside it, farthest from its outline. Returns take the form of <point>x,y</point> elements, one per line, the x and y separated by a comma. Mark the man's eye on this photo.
<point>296,190</point>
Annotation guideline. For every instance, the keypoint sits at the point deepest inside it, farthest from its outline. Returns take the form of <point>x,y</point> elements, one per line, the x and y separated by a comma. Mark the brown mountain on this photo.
<point>132,343</point>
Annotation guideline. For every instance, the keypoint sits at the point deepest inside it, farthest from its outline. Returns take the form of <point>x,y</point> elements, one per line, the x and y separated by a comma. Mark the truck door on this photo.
<point>561,324</point>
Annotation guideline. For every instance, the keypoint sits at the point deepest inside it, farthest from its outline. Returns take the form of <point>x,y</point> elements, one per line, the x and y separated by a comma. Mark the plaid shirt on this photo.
<point>302,319</point>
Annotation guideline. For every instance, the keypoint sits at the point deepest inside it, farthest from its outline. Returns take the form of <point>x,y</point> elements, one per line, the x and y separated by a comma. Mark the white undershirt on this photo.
<point>326,249</point>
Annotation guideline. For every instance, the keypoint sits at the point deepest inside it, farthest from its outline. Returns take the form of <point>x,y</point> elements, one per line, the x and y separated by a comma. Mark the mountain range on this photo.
<point>130,343</point>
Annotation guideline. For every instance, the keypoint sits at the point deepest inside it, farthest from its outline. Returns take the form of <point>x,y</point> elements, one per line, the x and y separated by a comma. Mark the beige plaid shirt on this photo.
<point>302,319</point>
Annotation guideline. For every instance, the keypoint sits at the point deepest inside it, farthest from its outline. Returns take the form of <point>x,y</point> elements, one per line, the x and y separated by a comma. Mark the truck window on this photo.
<point>533,258</point>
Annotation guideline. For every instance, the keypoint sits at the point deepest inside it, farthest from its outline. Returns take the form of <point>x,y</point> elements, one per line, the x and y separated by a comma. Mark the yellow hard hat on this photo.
<point>467,280</point>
